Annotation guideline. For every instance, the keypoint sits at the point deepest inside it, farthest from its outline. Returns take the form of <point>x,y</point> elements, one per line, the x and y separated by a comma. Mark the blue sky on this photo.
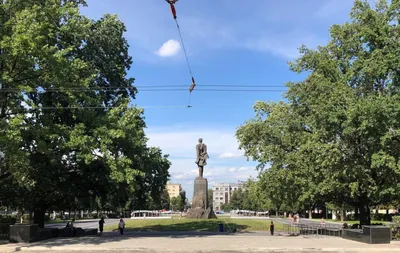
<point>229,42</point>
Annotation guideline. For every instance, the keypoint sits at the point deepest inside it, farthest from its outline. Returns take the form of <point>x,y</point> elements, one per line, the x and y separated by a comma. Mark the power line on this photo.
<point>173,11</point>
<point>141,90</point>
<point>111,107</point>
<point>184,48</point>
<point>106,88</point>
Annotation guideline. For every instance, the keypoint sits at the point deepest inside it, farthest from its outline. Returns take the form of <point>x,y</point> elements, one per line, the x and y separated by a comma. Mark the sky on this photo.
<point>229,42</point>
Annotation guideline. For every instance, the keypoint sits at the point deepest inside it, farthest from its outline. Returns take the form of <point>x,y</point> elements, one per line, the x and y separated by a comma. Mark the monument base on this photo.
<point>200,209</point>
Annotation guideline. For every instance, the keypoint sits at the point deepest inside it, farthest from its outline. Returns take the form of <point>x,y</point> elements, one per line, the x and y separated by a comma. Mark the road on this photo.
<point>85,224</point>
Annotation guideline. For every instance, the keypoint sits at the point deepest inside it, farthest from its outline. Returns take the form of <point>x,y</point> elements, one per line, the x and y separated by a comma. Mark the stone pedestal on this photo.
<point>200,209</point>
<point>24,233</point>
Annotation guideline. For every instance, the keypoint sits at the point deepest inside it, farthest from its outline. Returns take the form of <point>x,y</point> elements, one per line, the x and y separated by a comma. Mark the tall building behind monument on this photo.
<point>174,190</point>
<point>222,193</point>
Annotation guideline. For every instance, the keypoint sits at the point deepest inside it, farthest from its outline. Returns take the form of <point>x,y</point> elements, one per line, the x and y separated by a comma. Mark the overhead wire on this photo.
<point>154,90</point>
<point>32,109</point>
<point>150,88</point>
<point>173,11</point>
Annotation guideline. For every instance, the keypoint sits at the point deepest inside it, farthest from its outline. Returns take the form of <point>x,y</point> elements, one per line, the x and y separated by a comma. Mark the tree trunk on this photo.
<point>38,217</point>
<point>356,214</point>
<point>30,216</point>
<point>310,213</point>
<point>365,215</point>
<point>342,213</point>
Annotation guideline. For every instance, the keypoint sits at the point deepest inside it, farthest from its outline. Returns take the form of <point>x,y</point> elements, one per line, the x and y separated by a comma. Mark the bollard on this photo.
<point>221,227</point>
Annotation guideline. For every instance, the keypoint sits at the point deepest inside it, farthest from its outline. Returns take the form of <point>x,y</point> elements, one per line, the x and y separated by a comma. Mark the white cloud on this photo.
<point>169,48</point>
<point>230,155</point>
<point>286,44</point>
<point>239,169</point>
<point>263,26</point>
<point>181,141</point>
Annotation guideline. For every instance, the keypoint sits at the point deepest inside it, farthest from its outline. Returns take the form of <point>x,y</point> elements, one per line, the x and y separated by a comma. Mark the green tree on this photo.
<point>334,138</point>
<point>210,198</point>
<point>237,199</point>
<point>183,200</point>
<point>53,62</point>
<point>226,207</point>
<point>165,200</point>
<point>257,196</point>
<point>177,203</point>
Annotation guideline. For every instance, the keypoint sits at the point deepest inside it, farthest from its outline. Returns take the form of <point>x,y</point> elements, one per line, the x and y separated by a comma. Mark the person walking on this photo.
<point>272,227</point>
<point>121,226</point>
<point>101,225</point>
<point>72,226</point>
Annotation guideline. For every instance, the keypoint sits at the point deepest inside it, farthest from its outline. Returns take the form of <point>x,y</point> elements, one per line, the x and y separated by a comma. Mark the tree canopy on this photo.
<point>335,138</point>
<point>67,132</point>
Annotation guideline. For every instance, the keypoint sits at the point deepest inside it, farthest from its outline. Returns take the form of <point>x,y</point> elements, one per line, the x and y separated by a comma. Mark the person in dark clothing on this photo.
<point>121,226</point>
<point>271,228</point>
<point>101,225</point>
<point>72,225</point>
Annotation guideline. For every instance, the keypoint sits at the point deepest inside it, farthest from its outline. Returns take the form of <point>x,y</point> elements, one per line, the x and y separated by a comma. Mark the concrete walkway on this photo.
<point>199,242</point>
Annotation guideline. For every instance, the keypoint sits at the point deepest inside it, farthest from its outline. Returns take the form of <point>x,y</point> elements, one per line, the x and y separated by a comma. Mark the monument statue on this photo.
<point>201,156</point>
<point>200,207</point>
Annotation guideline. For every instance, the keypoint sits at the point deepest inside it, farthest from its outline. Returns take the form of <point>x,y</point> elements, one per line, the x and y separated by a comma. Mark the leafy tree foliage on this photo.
<point>177,203</point>
<point>53,62</point>
<point>210,198</point>
<point>226,207</point>
<point>335,138</point>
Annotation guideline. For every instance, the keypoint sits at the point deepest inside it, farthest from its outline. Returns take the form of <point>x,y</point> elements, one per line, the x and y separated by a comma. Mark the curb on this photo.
<point>138,250</point>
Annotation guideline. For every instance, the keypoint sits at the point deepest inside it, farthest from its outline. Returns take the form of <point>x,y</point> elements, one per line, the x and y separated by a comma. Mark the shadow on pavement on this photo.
<point>114,236</point>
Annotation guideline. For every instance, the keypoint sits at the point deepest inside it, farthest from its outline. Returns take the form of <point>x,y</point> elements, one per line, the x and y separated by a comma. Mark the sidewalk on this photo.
<point>199,242</point>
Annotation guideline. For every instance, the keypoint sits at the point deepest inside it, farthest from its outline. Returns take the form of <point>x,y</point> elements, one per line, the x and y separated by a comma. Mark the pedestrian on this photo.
<point>121,226</point>
<point>72,226</point>
<point>271,228</point>
<point>101,225</point>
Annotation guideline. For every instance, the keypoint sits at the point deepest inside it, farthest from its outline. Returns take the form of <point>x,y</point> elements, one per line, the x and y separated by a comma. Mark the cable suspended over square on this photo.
<point>173,11</point>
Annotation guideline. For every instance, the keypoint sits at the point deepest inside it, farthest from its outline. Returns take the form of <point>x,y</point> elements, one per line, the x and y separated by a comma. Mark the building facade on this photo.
<point>222,194</point>
<point>174,189</point>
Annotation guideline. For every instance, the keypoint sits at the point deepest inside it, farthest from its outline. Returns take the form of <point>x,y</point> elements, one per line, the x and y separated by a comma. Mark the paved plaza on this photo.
<point>198,242</point>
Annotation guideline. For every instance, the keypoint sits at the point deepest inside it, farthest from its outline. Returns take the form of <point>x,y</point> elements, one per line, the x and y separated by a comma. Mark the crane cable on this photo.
<point>173,11</point>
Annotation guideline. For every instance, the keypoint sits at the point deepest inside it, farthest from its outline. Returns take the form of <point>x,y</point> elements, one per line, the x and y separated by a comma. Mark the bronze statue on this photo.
<point>201,156</point>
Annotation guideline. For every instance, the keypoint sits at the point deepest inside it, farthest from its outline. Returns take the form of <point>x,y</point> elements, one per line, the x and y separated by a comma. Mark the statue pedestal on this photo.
<point>200,209</point>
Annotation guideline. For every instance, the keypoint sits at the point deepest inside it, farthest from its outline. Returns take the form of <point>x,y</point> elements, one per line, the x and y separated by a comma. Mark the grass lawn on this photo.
<point>55,221</point>
<point>183,224</point>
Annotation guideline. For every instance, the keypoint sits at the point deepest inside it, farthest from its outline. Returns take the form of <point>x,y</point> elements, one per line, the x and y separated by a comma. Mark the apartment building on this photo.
<point>222,194</point>
<point>174,189</point>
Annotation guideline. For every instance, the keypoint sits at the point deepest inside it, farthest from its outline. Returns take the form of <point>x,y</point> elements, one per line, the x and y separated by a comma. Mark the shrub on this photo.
<point>396,220</point>
<point>113,215</point>
<point>46,218</point>
<point>381,217</point>
<point>8,219</point>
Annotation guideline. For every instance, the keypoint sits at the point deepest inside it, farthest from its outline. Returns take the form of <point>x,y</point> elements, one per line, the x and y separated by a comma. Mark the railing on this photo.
<point>312,229</point>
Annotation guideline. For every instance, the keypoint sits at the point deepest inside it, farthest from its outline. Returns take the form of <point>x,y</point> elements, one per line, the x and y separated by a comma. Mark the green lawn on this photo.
<point>183,224</point>
<point>55,221</point>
